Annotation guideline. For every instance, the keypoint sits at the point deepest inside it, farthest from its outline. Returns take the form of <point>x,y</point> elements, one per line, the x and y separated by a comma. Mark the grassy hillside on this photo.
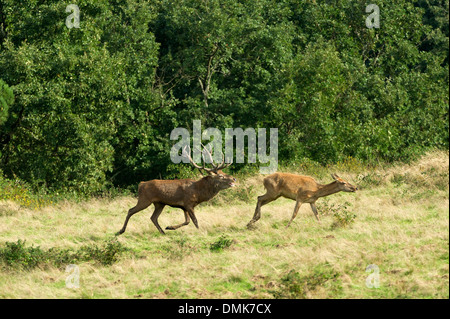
<point>398,221</point>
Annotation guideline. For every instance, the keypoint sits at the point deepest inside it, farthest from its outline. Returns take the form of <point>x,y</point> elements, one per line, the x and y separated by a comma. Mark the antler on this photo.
<point>215,167</point>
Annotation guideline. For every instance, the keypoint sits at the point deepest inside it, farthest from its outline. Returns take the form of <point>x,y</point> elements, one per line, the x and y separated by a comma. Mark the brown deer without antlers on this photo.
<point>182,193</point>
<point>302,189</point>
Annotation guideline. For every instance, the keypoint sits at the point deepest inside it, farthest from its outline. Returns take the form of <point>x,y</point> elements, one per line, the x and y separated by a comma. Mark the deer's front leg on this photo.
<point>158,209</point>
<point>297,207</point>
<point>186,222</point>
<point>314,209</point>
<point>191,214</point>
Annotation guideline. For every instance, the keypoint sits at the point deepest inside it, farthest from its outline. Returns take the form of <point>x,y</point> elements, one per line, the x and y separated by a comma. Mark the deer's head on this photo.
<point>343,184</point>
<point>220,180</point>
<point>215,176</point>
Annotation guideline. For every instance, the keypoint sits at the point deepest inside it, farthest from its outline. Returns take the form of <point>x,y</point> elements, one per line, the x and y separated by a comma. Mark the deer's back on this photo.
<point>170,192</point>
<point>287,184</point>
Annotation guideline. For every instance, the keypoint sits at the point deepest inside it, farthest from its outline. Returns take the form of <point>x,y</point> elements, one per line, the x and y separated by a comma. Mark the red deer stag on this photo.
<point>302,189</point>
<point>182,193</point>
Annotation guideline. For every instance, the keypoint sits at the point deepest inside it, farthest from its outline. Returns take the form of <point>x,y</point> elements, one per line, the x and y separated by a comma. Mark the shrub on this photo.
<point>106,254</point>
<point>221,243</point>
<point>295,286</point>
<point>21,193</point>
<point>342,216</point>
<point>371,179</point>
<point>15,255</point>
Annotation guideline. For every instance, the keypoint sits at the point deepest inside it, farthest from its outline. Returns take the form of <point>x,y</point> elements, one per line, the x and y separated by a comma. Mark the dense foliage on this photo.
<point>94,106</point>
<point>6,99</point>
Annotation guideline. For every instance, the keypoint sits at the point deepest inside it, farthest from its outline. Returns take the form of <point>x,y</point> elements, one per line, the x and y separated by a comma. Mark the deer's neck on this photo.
<point>328,189</point>
<point>205,190</point>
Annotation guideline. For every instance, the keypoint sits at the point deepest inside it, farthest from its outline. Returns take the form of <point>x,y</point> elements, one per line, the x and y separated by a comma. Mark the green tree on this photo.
<point>221,59</point>
<point>74,89</point>
<point>94,106</point>
<point>6,99</point>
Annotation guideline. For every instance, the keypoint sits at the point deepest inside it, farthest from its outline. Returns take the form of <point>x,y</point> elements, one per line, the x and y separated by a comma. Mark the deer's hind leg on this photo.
<point>262,200</point>
<point>186,222</point>
<point>141,205</point>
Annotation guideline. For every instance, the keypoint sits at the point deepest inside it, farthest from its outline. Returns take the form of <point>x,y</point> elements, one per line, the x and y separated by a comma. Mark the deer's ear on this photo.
<point>337,178</point>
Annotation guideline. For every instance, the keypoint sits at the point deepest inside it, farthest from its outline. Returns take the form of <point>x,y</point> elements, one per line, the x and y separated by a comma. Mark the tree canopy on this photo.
<point>94,106</point>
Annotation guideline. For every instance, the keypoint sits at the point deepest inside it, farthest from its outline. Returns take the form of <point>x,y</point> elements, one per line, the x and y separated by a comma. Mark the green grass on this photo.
<point>401,225</point>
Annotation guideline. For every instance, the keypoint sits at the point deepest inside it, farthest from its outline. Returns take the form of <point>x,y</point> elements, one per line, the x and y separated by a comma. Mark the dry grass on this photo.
<point>402,226</point>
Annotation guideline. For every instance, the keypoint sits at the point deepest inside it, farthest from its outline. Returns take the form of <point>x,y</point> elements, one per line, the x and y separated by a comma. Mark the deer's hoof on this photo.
<point>251,225</point>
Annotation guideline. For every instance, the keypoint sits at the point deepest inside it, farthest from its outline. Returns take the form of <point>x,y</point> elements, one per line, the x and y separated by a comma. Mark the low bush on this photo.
<point>16,255</point>
<point>221,243</point>
<point>293,285</point>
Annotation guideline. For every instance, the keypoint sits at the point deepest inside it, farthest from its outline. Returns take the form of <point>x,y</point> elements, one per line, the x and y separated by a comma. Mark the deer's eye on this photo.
<point>220,176</point>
